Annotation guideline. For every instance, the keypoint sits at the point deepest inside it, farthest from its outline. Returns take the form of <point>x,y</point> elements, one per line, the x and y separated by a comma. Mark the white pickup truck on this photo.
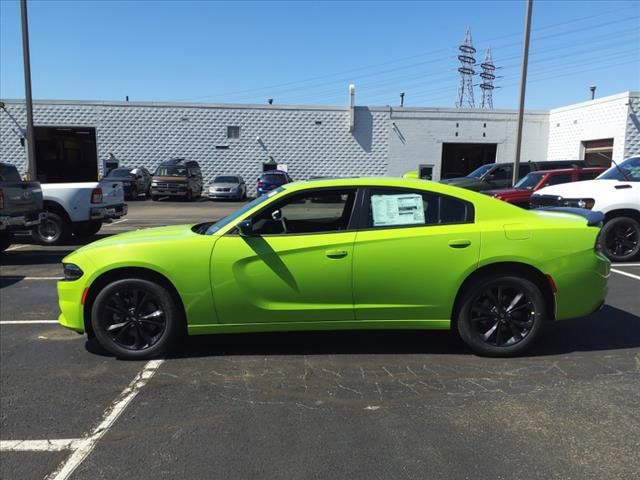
<point>616,193</point>
<point>78,208</point>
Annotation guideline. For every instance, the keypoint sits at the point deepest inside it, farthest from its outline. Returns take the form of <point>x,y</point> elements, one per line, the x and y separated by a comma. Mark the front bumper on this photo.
<point>19,222</point>
<point>69,299</point>
<point>214,194</point>
<point>112,211</point>
<point>169,192</point>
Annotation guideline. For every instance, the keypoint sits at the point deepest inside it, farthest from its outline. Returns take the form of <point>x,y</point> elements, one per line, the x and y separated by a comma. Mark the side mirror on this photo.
<point>245,228</point>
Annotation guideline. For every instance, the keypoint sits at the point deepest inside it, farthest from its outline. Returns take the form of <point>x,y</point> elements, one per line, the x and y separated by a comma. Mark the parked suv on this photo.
<point>20,204</point>
<point>616,193</point>
<point>520,194</point>
<point>272,179</point>
<point>499,175</point>
<point>134,180</point>
<point>177,178</point>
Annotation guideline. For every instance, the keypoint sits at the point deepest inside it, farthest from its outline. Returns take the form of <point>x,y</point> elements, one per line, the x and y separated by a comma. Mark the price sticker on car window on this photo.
<point>403,209</point>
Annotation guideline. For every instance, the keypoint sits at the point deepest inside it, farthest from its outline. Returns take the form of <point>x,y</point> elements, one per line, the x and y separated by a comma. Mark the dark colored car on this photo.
<point>499,175</point>
<point>134,180</point>
<point>520,194</point>
<point>177,178</point>
<point>20,204</point>
<point>272,179</point>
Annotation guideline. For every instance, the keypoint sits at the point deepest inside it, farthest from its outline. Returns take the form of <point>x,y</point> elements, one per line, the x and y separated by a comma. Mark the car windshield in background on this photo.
<point>479,172</point>
<point>241,211</point>
<point>119,172</point>
<point>529,181</point>
<point>171,171</point>
<point>629,170</point>
<point>274,179</point>
<point>226,180</point>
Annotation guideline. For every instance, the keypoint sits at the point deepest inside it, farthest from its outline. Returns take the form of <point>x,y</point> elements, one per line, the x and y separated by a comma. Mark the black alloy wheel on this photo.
<point>135,318</point>
<point>620,239</point>
<point>501,315</point>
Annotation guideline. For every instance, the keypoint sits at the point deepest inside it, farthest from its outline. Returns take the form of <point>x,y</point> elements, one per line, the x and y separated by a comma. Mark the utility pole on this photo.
<point>523,86</point>
<point>31,144</point>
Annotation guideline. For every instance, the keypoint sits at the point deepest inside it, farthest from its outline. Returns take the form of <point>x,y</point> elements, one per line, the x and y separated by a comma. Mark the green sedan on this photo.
<point>342,254</point>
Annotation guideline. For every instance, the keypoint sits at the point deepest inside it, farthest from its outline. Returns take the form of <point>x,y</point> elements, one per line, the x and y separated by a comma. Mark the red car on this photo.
<point>521,193</point>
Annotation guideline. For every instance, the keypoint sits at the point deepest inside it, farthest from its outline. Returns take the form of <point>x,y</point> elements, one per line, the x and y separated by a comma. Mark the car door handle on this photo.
<point>459,243</point>
<point>336,253</point>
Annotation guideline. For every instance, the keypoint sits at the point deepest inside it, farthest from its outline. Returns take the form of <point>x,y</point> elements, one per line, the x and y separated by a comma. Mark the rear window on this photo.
<point>9,173</point>
<point>274,179</point>
<point>119,172</point>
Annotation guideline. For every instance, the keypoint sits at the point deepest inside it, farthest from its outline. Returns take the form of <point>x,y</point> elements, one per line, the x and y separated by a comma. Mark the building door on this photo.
<point>598,153</point>
<point>460,159</point>
<point>66,154</point>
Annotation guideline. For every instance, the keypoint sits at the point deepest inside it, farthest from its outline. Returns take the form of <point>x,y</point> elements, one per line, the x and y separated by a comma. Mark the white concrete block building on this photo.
<point>314,140</point>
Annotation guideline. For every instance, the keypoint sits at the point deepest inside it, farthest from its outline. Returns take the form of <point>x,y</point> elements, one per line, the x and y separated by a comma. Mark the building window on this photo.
<point>233,132</point>
<point>598,153</point>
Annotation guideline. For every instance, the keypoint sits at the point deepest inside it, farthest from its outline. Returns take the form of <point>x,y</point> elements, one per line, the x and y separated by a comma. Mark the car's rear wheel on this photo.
<point>620,239</point>
<point>135,318</point>
<point>52,230</point>
<point>501,315</point>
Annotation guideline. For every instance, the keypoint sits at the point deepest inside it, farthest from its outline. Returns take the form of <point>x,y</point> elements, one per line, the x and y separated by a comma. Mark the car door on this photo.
<point>296,267</point>
<point>414,251</point>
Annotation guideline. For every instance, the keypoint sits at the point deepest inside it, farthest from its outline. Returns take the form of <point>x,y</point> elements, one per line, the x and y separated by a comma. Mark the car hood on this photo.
<point>169,178</point>
<point>145,235</point>
<point>460,181</point>
<point>584,189</point>
<point>224,185</point>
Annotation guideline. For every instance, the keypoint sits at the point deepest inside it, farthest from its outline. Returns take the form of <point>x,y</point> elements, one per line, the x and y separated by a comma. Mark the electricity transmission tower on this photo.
<point>467,61</point>
<point>488,76</point>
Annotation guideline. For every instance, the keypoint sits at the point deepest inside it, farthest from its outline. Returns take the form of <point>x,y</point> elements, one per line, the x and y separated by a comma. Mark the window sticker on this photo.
<point>403,209</point>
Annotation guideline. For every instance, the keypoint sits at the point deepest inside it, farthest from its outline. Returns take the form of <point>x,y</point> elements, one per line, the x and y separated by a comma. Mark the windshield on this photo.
<point>630,167</point>
<point>119,172</point>
<point>241,211</point>
<point>171,171</point>
<point>225,180</point>
<point>479,172</point>
<point>274,179</point>
<point>529,181</point>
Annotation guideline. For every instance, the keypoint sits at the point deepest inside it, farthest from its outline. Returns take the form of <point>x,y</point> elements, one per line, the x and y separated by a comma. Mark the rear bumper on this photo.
<point>112,211</point>
<point>19,222</point>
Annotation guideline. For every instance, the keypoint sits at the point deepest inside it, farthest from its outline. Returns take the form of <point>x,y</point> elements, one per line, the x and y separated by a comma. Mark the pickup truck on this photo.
<point>20,204</point>
<point>79,209</point>
<point>616,193</point>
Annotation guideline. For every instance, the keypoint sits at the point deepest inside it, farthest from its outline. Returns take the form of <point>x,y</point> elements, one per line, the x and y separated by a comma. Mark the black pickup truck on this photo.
<point>20,204</point>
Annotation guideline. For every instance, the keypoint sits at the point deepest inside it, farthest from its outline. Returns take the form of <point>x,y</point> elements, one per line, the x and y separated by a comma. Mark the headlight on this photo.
<point>154,184</point>
<point>587,203</point>
<point>71,272</point>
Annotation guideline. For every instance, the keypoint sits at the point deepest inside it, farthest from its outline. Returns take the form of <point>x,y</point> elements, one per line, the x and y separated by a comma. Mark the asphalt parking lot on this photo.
<point>365,405</point>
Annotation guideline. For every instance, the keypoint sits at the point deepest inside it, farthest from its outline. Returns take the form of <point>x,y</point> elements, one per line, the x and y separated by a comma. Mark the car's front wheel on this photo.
<point>135,318</point>
<point>501,315</point>
<point>620,239</point>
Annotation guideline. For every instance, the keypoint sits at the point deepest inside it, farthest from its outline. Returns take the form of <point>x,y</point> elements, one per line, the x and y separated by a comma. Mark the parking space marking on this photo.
<point>67,467</point>
<point>17,277</point>
<point>626,274</point>
<point>116,222</point>
<point>25,322</point>
<point>55,445</point>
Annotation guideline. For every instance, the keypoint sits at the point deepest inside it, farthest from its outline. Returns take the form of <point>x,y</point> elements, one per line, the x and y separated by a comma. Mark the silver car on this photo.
<point>230,187</point>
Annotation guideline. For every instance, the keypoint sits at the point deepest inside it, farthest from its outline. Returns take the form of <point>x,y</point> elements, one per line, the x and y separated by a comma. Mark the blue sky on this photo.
<point>308,52</point>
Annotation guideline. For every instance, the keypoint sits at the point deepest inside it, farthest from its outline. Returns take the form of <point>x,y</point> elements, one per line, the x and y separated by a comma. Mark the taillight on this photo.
<point>96,195</point>
<point>1,199</point>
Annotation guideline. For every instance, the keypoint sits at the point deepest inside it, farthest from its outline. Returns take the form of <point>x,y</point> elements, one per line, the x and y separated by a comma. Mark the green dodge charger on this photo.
<point>357,253</point>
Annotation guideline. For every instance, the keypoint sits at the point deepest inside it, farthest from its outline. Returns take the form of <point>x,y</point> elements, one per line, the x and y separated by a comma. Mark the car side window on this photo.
<point>398,207</point>
<point>500,173</point>
<point>558,179</point>
<point>313,211</point>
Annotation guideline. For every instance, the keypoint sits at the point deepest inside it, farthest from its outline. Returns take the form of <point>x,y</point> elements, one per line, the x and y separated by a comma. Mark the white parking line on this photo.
<point>620,272</point>
<point>112,413</point>
<point>17,277</point>
<point>116,222</point>
<point>26,322</point>
<point>55,445</point>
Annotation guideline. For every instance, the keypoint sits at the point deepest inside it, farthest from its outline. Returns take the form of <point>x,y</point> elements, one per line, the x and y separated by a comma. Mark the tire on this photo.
<point>5,241</point>
<point>620,239</point>
<point>126,322</point>
<point>87,229</point>
<point>491,324</point>
<point>189,196</point>
<point>53,230</point>
<point>133,193</point>
<point>155,198</point>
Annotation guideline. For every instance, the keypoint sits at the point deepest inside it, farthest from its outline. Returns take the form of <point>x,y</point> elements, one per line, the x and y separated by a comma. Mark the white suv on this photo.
<point>616,193</point>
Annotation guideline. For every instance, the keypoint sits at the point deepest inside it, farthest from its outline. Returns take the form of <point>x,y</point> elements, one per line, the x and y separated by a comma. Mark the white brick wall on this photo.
<point>632,135</point>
